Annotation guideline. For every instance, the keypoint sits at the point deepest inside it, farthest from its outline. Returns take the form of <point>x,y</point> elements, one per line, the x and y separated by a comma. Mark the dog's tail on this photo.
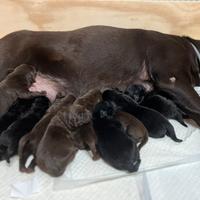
<point>179,118</point>
<point>171,133</point>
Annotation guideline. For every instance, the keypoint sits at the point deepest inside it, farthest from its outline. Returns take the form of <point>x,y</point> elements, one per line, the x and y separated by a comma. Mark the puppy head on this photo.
<point>119,98</point>
<point>90,99</point>
<point>104,110</point>
<point>25,72</point>
<point>41,102</point>
<point>137,92</point>
<point>135,159</point>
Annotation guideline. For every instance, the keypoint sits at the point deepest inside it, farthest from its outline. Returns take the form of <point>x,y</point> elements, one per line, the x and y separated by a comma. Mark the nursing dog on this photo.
<point>9,138</point>
<point>114,144</point>
<point>77,61</point>
<point>156,124</point>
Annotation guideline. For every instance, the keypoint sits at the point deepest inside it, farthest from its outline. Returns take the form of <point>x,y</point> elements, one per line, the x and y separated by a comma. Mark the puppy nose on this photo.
<point>135,165</point>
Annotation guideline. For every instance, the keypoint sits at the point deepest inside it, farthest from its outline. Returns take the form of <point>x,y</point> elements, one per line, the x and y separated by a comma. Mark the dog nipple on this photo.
<point>172,79</point>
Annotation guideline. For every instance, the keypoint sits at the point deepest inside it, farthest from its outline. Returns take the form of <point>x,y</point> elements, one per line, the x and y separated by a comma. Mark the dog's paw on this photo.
<point>78,116</point>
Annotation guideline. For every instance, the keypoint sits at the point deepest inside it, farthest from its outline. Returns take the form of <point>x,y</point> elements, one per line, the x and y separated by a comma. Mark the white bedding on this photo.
<point>168,170</point>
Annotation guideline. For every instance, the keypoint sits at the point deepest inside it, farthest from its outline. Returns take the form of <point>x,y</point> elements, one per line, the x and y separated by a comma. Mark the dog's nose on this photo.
<point>135,165</point>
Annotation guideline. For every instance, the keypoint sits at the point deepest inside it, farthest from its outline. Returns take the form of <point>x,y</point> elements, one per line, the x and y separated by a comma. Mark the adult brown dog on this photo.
<point>97,56</point>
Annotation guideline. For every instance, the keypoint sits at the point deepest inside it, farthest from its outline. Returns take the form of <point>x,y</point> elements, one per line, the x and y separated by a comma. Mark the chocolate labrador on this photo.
<point>79,60</point>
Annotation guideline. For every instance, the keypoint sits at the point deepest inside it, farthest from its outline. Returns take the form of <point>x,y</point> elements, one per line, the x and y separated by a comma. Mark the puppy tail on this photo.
<point>180,120</point>
<point>171,133</point>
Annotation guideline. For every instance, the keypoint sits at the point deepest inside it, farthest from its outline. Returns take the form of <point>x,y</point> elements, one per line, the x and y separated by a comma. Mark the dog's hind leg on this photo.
<point>185,97</point>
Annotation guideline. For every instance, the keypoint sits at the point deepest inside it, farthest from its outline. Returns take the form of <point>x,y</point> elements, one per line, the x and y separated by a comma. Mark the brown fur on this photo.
<point>69,134</point>
<point>99,56</point>
<point>134,128</point>
<point>16,85</point>
<point>29,143</point>
<point>56,148</point>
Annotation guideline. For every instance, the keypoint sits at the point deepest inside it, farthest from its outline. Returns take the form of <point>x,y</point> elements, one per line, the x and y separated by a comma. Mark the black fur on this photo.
<point>14,112</point>
<point>163,106</point>
<point>156,102</point>
<point>114,146</point>
<point>9,138</point>
<point>156,124</point>
<point>137,92</point>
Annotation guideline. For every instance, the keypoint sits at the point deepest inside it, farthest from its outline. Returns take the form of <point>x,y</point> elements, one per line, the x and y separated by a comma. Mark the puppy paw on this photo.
<point>96,156</point>
<point>78,116</point>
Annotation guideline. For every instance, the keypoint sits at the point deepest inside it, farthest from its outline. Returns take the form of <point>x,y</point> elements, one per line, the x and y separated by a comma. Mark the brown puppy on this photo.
<point>67,136</point>
<point>77,118</point>
<point>56,148</point>
<point>29,143</point>
<point>85,139</point>
<point>84,135</point>
<point>133,127</point>
<point>16,85</point>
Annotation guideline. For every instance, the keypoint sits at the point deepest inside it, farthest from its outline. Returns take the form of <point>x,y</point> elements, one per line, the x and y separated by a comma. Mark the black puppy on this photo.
<point>137,92</point>
<point>157,102</point>
<point>9,138</point>
<point>114,146</point>
<point>156,124</point>
<point>14,112</point>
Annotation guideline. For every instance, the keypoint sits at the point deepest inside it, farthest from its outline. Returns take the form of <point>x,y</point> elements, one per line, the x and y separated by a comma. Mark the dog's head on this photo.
<point>137,92</point>
<point>23,73</point>
<point>120,99</point>
<point>104,110</point>
<point>90,99</point>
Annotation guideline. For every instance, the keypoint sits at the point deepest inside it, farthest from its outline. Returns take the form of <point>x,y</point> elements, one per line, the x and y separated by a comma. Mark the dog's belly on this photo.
<point>80,84</point>
<point>52,86</point>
